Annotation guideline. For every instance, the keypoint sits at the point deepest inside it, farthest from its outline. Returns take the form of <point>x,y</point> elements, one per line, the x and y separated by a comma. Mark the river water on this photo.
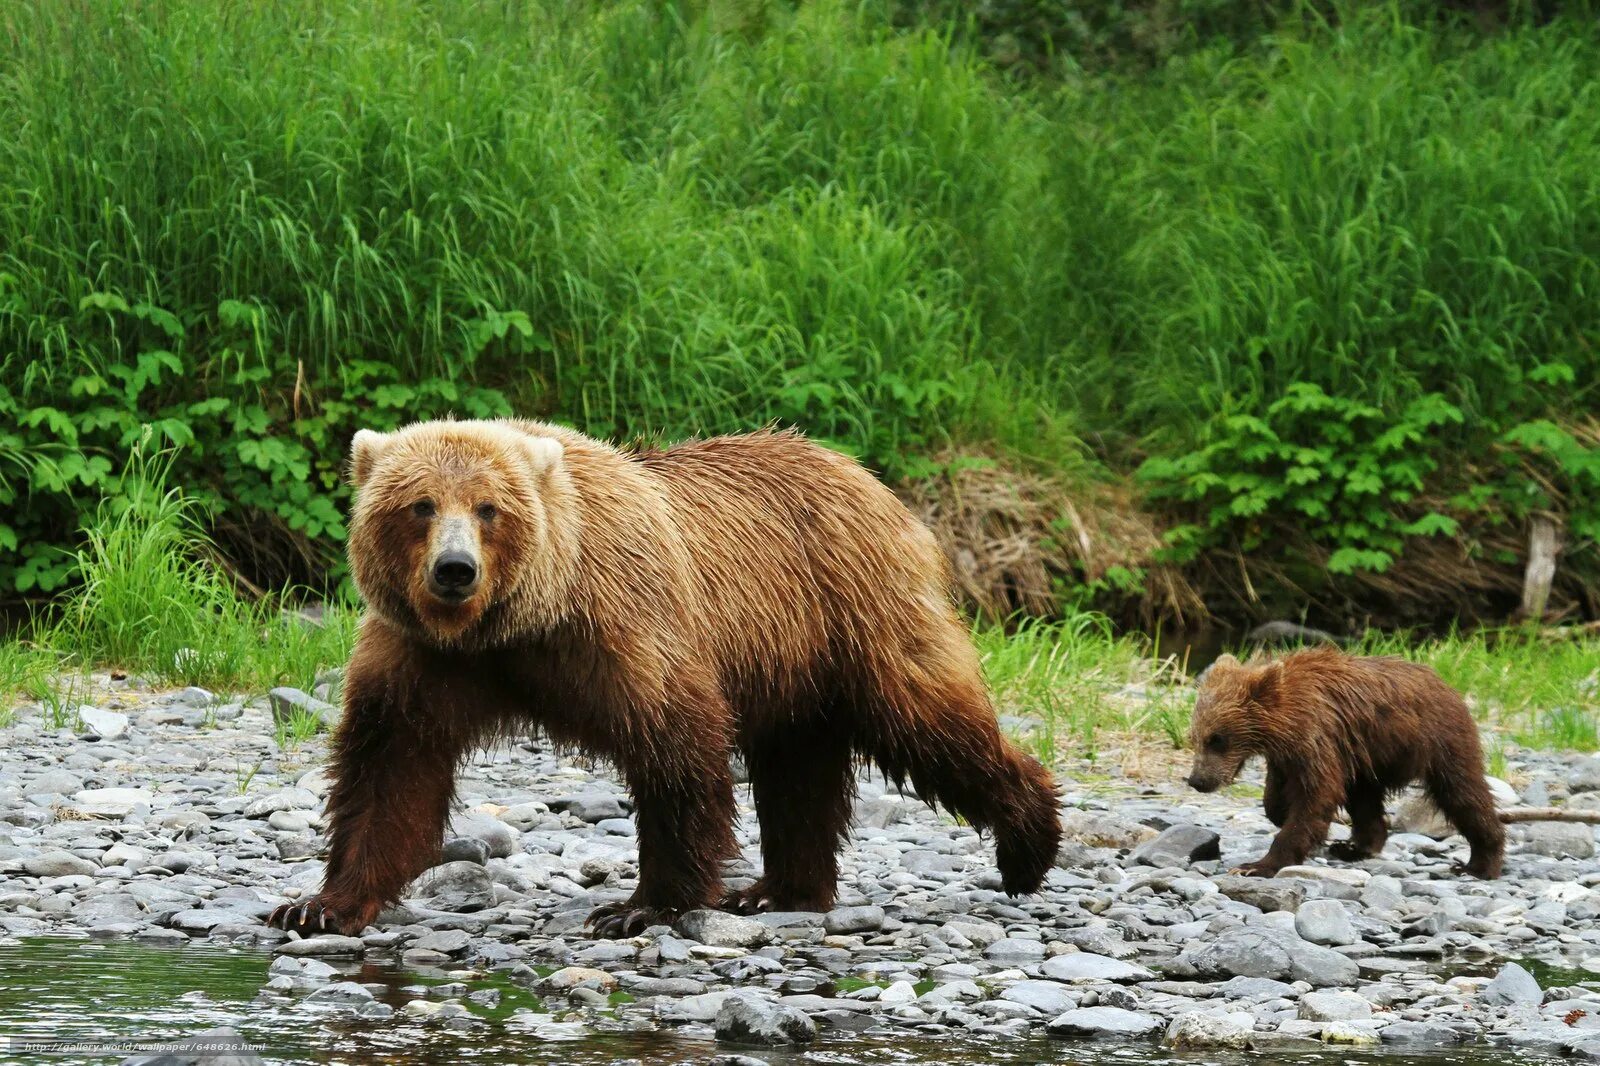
<point>108,991</point>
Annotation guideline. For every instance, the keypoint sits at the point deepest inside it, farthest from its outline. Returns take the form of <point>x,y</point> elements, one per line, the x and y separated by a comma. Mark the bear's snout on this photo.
<point>454,575</point>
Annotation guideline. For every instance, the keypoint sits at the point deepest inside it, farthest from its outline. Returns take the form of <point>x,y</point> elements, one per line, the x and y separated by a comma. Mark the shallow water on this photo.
<point>89,990</point>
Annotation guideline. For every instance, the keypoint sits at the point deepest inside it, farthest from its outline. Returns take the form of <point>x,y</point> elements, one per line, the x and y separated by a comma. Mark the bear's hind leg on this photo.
<point>1462,795</point>
<point>940,731</point>
<point>803,788</point>
<point>1369,830</point>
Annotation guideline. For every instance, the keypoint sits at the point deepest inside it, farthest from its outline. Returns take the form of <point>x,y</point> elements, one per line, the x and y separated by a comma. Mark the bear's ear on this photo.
<point>1265,682</point>
<point>543,454</point>
<point>366,447</point>
<point>1225,662</point>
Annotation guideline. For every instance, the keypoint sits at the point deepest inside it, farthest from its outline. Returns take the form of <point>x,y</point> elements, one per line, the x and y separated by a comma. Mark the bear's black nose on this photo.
<point>455,570</point>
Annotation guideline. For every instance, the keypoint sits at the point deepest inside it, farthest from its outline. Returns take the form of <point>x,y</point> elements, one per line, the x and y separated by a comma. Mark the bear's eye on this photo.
<point>487,511</point>
<point>1218,742</point>
<point>423,509</point>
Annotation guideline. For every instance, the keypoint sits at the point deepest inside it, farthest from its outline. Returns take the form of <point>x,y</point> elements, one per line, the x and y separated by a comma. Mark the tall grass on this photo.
<point>260,226</point>
<point>154,600</point>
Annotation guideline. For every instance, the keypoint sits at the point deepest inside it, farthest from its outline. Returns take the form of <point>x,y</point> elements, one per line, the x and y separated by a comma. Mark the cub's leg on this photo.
<point>800,777</point>
<point>407,723</point>
<point>1272,797</point>
<point>1307,815</point>
<point>1463,795</point>
<point>1369,830</point>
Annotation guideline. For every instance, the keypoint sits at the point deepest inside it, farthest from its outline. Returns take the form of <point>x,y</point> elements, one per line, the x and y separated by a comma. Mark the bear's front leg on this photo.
<point>393,768</point>
<point>676,767</point>
<point>1306,815</point>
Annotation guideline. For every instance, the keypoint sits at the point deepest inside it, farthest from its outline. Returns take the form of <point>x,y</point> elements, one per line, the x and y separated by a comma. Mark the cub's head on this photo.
<point>458,530</point>
<point>1229,718</point>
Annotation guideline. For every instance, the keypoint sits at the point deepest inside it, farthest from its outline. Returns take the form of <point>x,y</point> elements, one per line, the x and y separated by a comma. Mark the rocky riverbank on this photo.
<point>180,816</point>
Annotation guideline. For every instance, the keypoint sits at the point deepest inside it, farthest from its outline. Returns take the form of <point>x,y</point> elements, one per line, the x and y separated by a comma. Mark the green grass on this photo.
<point>155,601</point>
<point>1086,685</point>
<point>262,226</point>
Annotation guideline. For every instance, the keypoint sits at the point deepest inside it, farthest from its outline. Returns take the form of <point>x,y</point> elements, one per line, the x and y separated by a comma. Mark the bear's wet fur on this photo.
<point>661,609</point>
<point>1341,730</point>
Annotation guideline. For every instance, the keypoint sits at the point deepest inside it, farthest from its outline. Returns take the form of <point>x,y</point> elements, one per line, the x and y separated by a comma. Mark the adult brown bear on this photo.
<point>660,609</point>
<point>1337,731</point>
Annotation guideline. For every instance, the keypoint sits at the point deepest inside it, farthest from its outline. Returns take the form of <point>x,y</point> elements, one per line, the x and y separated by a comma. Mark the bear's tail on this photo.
<point>941,733</point>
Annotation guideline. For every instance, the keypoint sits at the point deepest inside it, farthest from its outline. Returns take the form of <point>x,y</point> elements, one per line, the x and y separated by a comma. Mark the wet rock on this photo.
<point>500,838</point>
<point>1103,1023</point>
<point>744,1019</point>
<point>465,849</point>
<point>322,945</point>
<point>570,977</point>
<point>1420,1034</point>
<point>445,941</point>
<point>718,929</point>
<point>341,992</point>
<point>1512,986</point>
<point>1200,1031</point>
<point>1179,846</point>
<point>1333,1007</point>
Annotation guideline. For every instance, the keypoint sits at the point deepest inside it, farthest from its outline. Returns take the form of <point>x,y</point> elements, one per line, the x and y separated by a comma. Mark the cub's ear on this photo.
<point>366,448</point>
<point>1265,682</point>
<point>543,453</point>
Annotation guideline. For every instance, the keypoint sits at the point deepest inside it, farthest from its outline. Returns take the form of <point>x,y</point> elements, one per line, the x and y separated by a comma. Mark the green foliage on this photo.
<point>1355,253</point>
<point>152,598</point>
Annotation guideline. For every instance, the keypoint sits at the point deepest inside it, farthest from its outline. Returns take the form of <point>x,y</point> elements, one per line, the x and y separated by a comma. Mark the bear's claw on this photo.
<point>617,921</point>
<point>312,916</point>
<point>1254,869</point>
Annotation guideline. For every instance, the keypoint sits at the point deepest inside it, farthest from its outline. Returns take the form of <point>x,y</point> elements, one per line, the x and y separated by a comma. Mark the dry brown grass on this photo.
<point>1021,542</point>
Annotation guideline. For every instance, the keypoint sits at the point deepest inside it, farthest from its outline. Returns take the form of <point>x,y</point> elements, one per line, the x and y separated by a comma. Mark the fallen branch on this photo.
<point>1549,814</point>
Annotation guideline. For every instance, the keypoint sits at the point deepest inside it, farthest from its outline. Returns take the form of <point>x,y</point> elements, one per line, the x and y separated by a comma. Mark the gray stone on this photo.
<point>1047,997</point>
<point>844,920</point>
<point>1561,840</point>
<point>445,941</point>
<point>1420,1034</point>
<point>745,1019</point>
<point>1267,894</point>
<point>290,705</point>
<point>1324,921</point>
<point>1098,830</point>
<point>340,992</point>
<point>328,944</point>
<point>462,887</point>
<point>58,864</point>
<point>107,725</point>
<point>1103,1023</point>
<point>1512,986</point>
<point>283,799</point>
<point>723,930</point>
<point>592,806</point>
<point>465,849</point>
<point>1080,966</point>
<point>1179,846</point>
<point>1333,1007</point>
<point>110,802</point>
<point>1202,1031</point>
<point>501,839</point>
<point>1014,950</point>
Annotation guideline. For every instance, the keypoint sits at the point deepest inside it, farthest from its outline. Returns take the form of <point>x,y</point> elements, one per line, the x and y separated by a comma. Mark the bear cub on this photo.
<point>1340,730</point>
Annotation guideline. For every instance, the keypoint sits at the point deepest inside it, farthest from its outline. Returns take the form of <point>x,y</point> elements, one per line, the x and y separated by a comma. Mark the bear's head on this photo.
<point>1230,719</point>
<point>460,530</point>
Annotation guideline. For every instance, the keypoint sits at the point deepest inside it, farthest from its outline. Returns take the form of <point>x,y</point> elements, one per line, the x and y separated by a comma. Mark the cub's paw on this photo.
<point>618,921</point>
<point>1482,871</point>
<point>317,915</point>
<point>1255,869</point>
<point>1345,851</point>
